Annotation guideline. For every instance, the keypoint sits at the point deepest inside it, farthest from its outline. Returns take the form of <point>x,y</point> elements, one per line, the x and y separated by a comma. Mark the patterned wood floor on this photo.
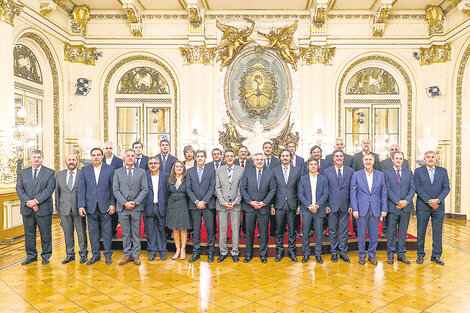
<point>177,286</point>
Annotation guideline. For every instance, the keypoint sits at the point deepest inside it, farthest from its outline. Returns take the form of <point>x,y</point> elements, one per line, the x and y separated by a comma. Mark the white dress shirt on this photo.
<point>370,179</point>
<point>37,173</point>
<point>340,169</point>
<point>74,177</point>
<point>293,161</point>
<point>155,179</point>
<point>313,184</point>
<point>97,170</point>
<point>109,160</point>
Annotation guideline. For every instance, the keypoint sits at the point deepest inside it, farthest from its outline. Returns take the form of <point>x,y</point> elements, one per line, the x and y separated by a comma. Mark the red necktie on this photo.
<point>243,164</point>
<point>399,176</point>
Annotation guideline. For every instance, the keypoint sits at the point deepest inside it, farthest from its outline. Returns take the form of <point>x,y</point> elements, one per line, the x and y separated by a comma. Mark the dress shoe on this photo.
<point>235,258</point>
<point>372,261</point>
<point>210,258</point>
<point>437,261</point>
<point>93,260</point>
<point>124,261</point>
<point>28,261</point>
<point>264,259</point>
<point>279,257</point>
<point>311,233</point>
<point>68,259</point>
<point>108,260</point>
<point>362,261</point>
<point>305,258</point>
<point>163,255</point>
<point>293,257</point>
<point>319,259</point>
<point>137,261</point>
<point>247,259</point>
<point>194,257</point>
<point>152,256</point>
<point>334,258</point>
<point>258,236</point>
<point>420,260</point>
<point>404,260</point>
<point>83,259</point>
<point>46,261</point>
<point>345,258</point>
<point>390,261</point>
<point>221,258</point>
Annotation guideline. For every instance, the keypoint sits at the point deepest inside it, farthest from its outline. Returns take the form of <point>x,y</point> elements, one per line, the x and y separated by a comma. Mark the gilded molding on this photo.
<point>198,54</point>
<point>8,162</point>
<point>409,95</point>
<point>195,17</point>
<point>317,54</point>
<point>435,18</point>
<point>232,42</point>
<point>55,91</point>
<point>435,54</point>
<point>47,7</point>
<point>80,16</point>
<point>135,18</point>
<point>257,16</point>
<point>379,19</point>
<point>113,70</point>
<point>9,9</point>
<point>79,54</point>
<point>464,7</point>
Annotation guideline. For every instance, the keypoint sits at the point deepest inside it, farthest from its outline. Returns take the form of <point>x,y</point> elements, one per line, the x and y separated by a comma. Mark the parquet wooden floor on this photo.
<point>178,286</point>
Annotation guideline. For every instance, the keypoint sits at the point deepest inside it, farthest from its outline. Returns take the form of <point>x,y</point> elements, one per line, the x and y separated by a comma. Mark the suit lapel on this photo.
<point>38,177</point>
<point>364,179</point>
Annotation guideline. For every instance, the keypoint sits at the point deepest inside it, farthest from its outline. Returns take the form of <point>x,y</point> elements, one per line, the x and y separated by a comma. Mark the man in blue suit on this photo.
<point>141,160</point>
<point>297,161</point>
<point>400,192</point>
<point>270,162</point>
<point>285,204</point>
<point>368,202</point>
<point>258,188</point>
<point>96,201</point>
<point>164,157</point>
<point>432,187</point>
<point>200,187</point>
<point>313,195</point>
<point>338,209</point>
<point>155,209</point>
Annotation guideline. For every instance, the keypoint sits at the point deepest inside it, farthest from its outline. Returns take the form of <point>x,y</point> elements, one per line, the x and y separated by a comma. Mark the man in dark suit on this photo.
<point>297,161</point>
<point>35,186</point>
<point>270,162</point>
<point>216,159</point>
<point>400,193</point>
<point>243,160</point>
<point>432,187</point>
<point>313,196</point>
<point>258,188</point>
<point>141,160</point>
<point>339,145</point>
<point>368,202</point>
<point>165,158</point>
<point>316,153</point>
<point>285,204</point>
<point>155,210</point>
<point>67,206</point>
<point>97,203</point>
<point>338,208</point>
<point>113,160</point>
<point>357,163</point>
<point>200,187</point>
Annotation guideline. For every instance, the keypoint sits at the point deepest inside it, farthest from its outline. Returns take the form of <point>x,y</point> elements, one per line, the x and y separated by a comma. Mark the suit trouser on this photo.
<point>99,226</point>
<point>69,223</point>
<point>307,220</point>
<point>297,223</point>
<point>437,220</point>
<point>338,226</point>
<point>272,227</point>
<point>44,223</point>
<point>243,223</point>
<point>263,225</point>
<point>130,226</point>
<point>156,234</point>
<point>370,223</point>
<point>397,220</point>
<point>385,223</point>
<point>234,216</point>
<point>196,216</point>
<point>114,223</point>
<point>285,215</point>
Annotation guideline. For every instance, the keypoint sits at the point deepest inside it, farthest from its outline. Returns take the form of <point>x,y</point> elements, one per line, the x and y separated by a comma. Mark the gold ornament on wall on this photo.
<point>198,54</point>
<point>230,138</point>
<point>80,16</point>
<point>435,54</point>
<point>372,81</point>
<point>281,40</point>
<point>435,18</point>
<point>195,18</point>
<point>143,80</point>
<point>47,7</point>
<point>464,6</point>
<point>317,54</point>
<point>285,136</point>
<point>79,54</point>
<point>232,42</point>
<point>135,18</point>
<point>9,9</point>
<point>26,64</point>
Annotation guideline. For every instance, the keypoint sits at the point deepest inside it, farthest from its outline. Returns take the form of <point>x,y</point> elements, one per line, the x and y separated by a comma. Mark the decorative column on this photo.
<point>8,11</point>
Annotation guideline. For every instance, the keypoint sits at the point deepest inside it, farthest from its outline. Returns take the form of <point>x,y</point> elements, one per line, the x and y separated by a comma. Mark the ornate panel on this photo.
<point>372,81</point>
<point>143,80</point>
<point>26,64</point>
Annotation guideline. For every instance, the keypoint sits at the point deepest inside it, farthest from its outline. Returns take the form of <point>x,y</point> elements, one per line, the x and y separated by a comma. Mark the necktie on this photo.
<point>292,163</point>
<point>268,162</point>
<point>259,178</point>
<point>35,174</point>
<point>243,164</point>
<point>340,178</point>
<point>129,174</point>
<point>285,174</point>
<point>199,174</point>
<point>399,176</point>
<point>216,165</point>
<point>70,182</point>
<point>431,174</point>
<point>229,174</point>
<point>164,161</point>
<point>137,162</point>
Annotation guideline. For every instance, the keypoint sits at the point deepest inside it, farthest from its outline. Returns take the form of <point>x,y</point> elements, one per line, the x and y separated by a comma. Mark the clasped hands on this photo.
<point>33,205</point>
<point>433,203</point>
<point>228,205</point>
<point>201,205</point>
<point>129,205</point>
<point>257,204</point>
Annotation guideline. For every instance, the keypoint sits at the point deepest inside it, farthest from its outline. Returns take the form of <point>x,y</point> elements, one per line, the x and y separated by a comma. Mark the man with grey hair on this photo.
<point>339,145</point>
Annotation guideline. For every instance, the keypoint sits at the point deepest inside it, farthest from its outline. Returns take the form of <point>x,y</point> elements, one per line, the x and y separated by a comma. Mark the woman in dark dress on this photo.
<point>177,216</point>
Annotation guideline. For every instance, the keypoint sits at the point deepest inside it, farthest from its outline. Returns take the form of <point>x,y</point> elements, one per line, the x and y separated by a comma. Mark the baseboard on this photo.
<point>456,216</point>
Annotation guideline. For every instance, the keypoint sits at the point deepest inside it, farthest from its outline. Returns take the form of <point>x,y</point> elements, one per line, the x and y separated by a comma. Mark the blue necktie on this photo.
<point>137,162</point>
<point>268,162</point>
<point>163,162</point>
<point>431,174</point>
<point>259,178</point>
<point>340,178</point>
<point>199,174</point>
<point>35,174</point>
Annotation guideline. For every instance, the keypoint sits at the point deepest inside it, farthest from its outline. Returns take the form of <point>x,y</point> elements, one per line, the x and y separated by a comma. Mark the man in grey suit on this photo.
<point>67,206</point>
<point>130,190</point>
<point>227,187</point>
<point>35,186</point>
<point>357,163</point>
<point>339,145</point>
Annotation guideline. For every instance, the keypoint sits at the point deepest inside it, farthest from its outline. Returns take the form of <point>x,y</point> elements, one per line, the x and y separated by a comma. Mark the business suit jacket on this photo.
<point>212,163</point>
<point>348,160</point>
<point>66,201</point>
<point>305,195</point>
<point>362,199</point>
<point>41,190</point>
<point>300,164</point>
<point>357,161</point>
<point>338,198</point>
<point>250,192</point>
<point>273,163</point>
<point>90,194</point>
<point>144,162</point>
<point>439,189</point>
<point>203,191</point>
<point>162,194</point>
<point>125,191</point>
<point>397,191</point>
<point>226,192</point>
<point>286,192</point>
<point>116,162</point>
<point>170,160</point>
<point>387,164</point>
<point>248,162</point>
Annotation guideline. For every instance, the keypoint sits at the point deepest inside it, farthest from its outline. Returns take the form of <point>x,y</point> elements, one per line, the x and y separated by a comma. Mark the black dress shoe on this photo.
<point>108,260</point>
<point>345,258</point>
<point>373,261</point>
<point>362,261</point>
<point>437,261</point>
<point>279,257</point>
<point>420,260</point>
<point>163,255</point>
<point>319,259</point>
<point>390,261</point>
<point>305,258</point>
<point>264,259</point>
<point>221,258</point>
<point>334,258</point>
<point>404,260</point>
<point>194,258</point>
<point>83,259</point>
<point>247,259</point>
<point>28,261</point>
<point>45,261</point>
<point>68,259</point>
<point>293,257</point>
<point>235,258</point>
<point>152,256</point>
<point>210,258</point>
